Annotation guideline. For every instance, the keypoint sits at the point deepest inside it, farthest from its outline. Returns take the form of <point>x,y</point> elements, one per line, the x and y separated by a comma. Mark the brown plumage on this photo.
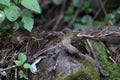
<point>73,43</point>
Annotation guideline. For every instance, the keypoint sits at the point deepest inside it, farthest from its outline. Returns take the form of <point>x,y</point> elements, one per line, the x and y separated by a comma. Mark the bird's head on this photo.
<point>68,33</point>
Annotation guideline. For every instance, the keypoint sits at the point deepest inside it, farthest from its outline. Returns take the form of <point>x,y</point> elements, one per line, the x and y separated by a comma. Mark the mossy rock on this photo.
<point>66,67</point>
<point>87,71</point>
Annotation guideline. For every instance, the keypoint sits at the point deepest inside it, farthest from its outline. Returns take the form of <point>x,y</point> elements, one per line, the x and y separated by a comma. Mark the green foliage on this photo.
<point>97,23</point>
<point>57,2</point>
<point>108,66</point>
<point>86,17</point>
<point>28,22</point>
<point>22,57</point>
<point>2,16</point>
<point>87,20</point>
<point>5,2</point>
<point>27,66</point>
<point>16,25</point>
<point>10,11</point>
<point>113,16</point>
<point>22,75</point>
<point>21,63</point>
<point>18,63</point>
<point>32,5</point>
<point>16,1</point>
<point>76,3</point>
<point>86,8</point>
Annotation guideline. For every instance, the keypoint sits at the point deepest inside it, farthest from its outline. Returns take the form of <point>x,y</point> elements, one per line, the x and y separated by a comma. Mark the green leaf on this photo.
<point>5,2</point>
<point>70,10</point>
<point>26,66</point>
<point>16,26</point>
<point>97,23</point>
<point>22,75</point>
<point>76,3</point>
<point>87,20</point>
<point>22,57</point>
<point>2,16</point>
<point>28,23</point>
<point>2,7</point>
<point>17,1</point>
<point>76,25</point>
<point>18,63</point>
<point>57,2</point>
<point>68,18</point>
<point>26,13</point>
<point>12,12</point>
<point>32,5</point>
<point>4,23</point>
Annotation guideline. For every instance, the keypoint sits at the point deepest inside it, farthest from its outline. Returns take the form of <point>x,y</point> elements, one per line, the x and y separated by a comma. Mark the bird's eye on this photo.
<point>66,30</point>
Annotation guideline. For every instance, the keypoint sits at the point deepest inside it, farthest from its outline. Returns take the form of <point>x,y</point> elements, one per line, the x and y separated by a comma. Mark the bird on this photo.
<point>68,34</point>
<point>72,43</point>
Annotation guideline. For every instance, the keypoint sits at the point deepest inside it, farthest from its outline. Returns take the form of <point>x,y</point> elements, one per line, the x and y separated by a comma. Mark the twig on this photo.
<point>16,74</point>
<point>99,10</point>
<point>106,49</point>
<point>26,50</point>
<point>112,59</point>
<point>7,68</point>
<point>109,53</point>
<point>101,31</point>
<point>76,14</point>
<point>84,35</point>
<point>14,56</point>
<point>3,59</point>
<point>50,22</point>
<point>38,53</point>
<point>61,15</point>
<point>95,57</point>
<point>103,8</point>
<point>103,35</point>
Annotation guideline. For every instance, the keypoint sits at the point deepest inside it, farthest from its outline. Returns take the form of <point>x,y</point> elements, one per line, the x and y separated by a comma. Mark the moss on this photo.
<point>87,72</point>
<point>83,74</point>
<point>112,68</point>
<point>58,78</point>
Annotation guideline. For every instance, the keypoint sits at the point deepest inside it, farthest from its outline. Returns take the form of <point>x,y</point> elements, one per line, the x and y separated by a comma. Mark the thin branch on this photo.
<point>112,59</point>
<point>1,70</point>
<point>99,10</point>
<point>16,74</point>
<point>76,14</point>
<point>61,15</point>
<point>50,22</point>
<point>40,52</point>
<point>96,59</point>
<point>103,8</point>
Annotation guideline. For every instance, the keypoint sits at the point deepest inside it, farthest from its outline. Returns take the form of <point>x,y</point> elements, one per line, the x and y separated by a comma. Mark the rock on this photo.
<point>63,66</point>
